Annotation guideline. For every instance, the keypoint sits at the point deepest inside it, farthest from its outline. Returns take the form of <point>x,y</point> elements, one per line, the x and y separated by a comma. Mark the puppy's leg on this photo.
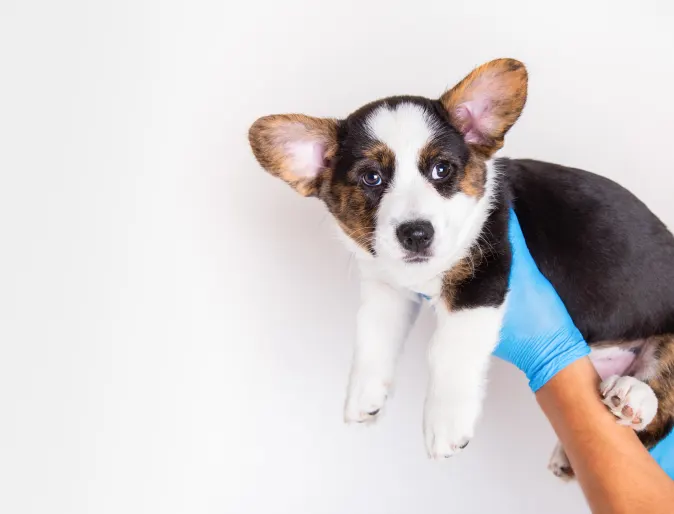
<point>459,357</point>
<point>384,319</point>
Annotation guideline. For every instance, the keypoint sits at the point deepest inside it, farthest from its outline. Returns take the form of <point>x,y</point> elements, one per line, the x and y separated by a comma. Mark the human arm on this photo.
<point>539,337</point>
<point>616,473</point>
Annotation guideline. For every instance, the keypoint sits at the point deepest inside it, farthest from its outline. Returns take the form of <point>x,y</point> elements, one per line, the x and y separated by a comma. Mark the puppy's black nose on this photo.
<point>415,236</point>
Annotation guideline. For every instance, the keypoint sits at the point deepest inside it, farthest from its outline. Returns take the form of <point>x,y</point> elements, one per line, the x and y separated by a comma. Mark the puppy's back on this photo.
<point>608,256</point>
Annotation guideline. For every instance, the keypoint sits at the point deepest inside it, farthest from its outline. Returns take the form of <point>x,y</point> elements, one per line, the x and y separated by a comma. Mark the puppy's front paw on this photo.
<point>632,401</point>
<point>449,426</point>
<point>365,398</point>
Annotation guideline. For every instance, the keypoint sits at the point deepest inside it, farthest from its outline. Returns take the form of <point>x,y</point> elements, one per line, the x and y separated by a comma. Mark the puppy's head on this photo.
<point>402,176</point>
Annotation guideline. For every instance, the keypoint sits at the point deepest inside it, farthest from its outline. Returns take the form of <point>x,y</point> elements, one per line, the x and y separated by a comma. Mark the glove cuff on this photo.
<point>539,373</point>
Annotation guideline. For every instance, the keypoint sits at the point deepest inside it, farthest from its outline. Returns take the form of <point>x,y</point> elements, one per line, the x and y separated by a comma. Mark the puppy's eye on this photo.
<point>440,171</point>
<point>372,179</point>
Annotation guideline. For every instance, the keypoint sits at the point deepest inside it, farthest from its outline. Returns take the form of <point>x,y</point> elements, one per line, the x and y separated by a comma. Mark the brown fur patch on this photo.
<point>381,154</point>
<point>504,83</point>
<point>347,202</point>
<point>662,384</point>
<point>457,275</point>
<point>474,177</point>
<point>473,174</point>
<point>270,136</point>
<point>430,154</point>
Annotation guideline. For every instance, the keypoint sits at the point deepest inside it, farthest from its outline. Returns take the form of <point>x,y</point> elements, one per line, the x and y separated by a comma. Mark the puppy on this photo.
<point>420,200</point>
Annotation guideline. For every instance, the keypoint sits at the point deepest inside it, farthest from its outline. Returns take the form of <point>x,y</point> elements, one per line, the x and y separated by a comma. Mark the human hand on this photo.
<point>538,335</point>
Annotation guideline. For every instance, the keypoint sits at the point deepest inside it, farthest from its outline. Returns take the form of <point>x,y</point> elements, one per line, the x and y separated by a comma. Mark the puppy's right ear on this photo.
<point>295,148</point>
<point>485,104</point>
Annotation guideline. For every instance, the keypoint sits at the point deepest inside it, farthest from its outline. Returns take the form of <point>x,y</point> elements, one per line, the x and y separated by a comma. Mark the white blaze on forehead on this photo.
<point>406,130</point>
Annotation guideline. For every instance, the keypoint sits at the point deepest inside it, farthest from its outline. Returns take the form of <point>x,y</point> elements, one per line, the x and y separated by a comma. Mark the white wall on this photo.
<point>176,326</point>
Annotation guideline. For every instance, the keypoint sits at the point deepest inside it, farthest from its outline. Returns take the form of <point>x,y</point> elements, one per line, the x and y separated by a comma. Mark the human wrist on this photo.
<point>585,381</point>
<point>551,355</point>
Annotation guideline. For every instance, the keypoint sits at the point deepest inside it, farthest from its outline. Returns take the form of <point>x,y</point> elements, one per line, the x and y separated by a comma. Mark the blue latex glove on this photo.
<point>663,453</point>
<point>538,335</point>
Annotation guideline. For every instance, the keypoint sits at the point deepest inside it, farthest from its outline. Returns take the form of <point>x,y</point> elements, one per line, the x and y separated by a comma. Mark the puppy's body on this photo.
<point>608,256</point>
<point>415,192</point>
<point>611,260</point>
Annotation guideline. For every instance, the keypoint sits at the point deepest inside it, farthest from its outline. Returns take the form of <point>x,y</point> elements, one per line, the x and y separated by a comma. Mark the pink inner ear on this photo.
<point>476,121</point>
<point>304,149</point>
<point>306,157</point>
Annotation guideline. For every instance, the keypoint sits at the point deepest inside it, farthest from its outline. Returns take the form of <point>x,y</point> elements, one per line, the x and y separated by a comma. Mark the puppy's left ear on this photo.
<point>485,104</point>
<point>295,148</point>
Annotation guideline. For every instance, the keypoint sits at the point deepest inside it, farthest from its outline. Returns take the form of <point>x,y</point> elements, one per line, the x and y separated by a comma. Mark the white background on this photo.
<point>176,326</point>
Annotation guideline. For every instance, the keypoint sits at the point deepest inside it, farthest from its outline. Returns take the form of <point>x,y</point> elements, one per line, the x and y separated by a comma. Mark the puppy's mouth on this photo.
<point>416,258</point>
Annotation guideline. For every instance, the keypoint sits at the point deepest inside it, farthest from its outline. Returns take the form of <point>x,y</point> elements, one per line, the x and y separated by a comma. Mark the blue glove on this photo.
<point>663,453</point>
<point>538,335</point>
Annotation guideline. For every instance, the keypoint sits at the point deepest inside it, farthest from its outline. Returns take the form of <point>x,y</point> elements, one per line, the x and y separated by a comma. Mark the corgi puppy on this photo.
<point>419,198</point>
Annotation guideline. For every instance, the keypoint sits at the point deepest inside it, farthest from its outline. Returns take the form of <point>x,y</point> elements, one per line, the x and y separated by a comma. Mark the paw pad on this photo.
<point>632,401</point>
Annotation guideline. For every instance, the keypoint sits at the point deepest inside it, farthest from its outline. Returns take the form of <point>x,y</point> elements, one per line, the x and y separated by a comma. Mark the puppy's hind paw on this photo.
<point>632,401</point>
<point>560,465</point>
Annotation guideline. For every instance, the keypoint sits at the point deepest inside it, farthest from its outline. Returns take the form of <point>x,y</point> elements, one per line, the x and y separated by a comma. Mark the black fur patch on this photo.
<point>490,262</point>
<point>609,257</point>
